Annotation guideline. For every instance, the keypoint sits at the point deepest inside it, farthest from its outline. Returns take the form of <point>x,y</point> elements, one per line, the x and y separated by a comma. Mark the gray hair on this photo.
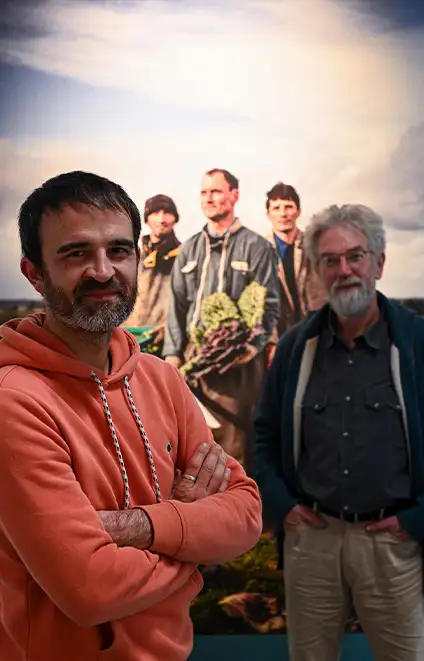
<point>358,216</point>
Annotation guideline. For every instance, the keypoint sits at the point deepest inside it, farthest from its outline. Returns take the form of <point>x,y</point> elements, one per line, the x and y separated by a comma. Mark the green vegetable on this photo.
<point>225,328</point>
<point>196,335</point>
<point>252,304</point>
<point>216,309</point>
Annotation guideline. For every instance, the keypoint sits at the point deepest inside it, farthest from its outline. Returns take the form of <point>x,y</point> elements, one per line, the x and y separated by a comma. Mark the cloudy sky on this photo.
<point>327,95</point>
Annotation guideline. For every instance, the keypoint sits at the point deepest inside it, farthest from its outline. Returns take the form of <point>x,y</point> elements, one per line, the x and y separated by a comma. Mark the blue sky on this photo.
<point>322,94</point>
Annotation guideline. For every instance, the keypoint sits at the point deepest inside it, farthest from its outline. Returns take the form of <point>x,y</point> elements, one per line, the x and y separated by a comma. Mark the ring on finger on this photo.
<point>187,476</point>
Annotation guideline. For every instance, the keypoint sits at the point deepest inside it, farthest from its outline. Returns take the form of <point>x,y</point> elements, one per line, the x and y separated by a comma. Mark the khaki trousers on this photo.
<point>327,570</point>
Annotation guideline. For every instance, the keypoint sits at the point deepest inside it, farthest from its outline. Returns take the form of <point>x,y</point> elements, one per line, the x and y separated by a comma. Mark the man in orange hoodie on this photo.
<point>98,542</point>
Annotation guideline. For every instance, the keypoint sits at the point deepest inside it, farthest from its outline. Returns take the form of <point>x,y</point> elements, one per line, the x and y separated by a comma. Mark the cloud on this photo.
<point>390,15</point>
<point>405,177</point>
<point>395,188</point>
<point>283,63</point>
<point>29,166</point>
<point>310,77</point>
<point>404,271</point>
<point>303,91</point>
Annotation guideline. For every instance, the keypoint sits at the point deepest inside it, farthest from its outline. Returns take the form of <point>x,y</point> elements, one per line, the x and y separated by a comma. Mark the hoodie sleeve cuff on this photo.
<point>167,528</point>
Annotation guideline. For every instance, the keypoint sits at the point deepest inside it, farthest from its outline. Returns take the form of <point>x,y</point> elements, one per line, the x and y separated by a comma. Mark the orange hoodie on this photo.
<point>67,592</point>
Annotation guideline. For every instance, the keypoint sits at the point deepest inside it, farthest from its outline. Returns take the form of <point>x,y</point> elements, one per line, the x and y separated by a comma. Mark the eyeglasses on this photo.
<point>353,258</point>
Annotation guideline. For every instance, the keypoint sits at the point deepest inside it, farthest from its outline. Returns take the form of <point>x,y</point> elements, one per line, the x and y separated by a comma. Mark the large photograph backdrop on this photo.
<point>326,96</point>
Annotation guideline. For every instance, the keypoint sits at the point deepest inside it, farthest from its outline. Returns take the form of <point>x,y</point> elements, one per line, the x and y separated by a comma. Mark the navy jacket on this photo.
<point>277,426</point>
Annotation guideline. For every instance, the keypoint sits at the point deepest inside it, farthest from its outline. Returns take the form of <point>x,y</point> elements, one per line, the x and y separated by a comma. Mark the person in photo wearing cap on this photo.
<point>159,251</point>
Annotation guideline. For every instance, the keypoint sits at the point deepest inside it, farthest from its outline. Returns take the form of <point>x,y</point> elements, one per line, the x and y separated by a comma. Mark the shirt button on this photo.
<point>345,508</point>
<point>345,433</point>
<point>345,472</point>
<point>350,361</point>
<point>316,407</point>
<point>347,398</point>
<point>376,405</point>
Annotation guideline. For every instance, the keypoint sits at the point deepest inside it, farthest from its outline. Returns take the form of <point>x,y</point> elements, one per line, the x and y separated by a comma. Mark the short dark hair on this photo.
<point>231,180</point>
<point>160,203</point>
<point>282,192</point>
<point>68,189</point>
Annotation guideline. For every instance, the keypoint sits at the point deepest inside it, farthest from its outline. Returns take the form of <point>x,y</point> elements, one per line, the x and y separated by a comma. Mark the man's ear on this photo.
<point>380,265</point>
<point>32,274</point>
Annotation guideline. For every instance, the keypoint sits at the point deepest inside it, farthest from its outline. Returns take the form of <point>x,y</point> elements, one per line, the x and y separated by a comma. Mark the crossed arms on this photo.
<point>47,521</point>
<point>206,474</point>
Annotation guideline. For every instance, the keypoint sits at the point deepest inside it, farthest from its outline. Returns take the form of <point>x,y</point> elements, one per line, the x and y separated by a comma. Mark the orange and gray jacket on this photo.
<point>206,265</point>
<point>153,282</point>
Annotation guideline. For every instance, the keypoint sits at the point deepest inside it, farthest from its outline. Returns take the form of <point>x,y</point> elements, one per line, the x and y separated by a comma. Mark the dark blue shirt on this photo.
<point>281,247</point>
<point>354,451</point>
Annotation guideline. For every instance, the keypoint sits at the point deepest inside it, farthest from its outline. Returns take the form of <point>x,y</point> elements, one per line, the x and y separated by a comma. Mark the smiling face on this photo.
<point>89,274</point>
<point>348,270</point>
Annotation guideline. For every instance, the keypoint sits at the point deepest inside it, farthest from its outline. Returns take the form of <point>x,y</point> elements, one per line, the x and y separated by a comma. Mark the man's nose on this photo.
<point>101,268</point>
<point>345,268</point>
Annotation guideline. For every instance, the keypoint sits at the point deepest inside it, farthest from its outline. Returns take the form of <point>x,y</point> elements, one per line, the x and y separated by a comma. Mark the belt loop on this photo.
<point>382,511</point>
<point>315,507</point>
<point>355,517</point>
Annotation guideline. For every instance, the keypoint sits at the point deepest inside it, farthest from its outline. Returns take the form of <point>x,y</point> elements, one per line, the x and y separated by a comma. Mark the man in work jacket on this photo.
<point>159,251</point>
<point>224,257</point>
<point>300,289</point>
<point>339,452</point>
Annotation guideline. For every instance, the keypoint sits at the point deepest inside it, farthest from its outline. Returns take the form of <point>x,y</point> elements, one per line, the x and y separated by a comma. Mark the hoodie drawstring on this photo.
<point>143,434</point>
<point>146,441</point>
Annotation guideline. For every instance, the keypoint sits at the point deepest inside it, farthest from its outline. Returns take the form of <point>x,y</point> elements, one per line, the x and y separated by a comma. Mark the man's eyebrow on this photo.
<point>123,242</point>
<point>73,245</point>
<point>338,254</point>
<point>80,245</point>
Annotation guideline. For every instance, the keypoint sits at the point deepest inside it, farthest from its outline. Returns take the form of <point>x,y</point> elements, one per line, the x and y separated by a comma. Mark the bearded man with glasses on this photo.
<point>339,442</point>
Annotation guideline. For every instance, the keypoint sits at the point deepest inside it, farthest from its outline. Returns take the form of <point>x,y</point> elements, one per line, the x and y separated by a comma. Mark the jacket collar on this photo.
<point>298,239</point>
<point>167,248</point>
<point>400,321</point>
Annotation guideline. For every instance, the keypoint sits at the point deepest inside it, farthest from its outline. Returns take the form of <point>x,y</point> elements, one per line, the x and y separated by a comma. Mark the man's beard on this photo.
<point>93,317</point>
<point>354,302</point>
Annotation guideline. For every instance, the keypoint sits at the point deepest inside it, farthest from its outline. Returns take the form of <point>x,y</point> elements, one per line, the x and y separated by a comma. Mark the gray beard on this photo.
<point>109,315</point>
<point>352,303</point>
<point>96,318</point>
